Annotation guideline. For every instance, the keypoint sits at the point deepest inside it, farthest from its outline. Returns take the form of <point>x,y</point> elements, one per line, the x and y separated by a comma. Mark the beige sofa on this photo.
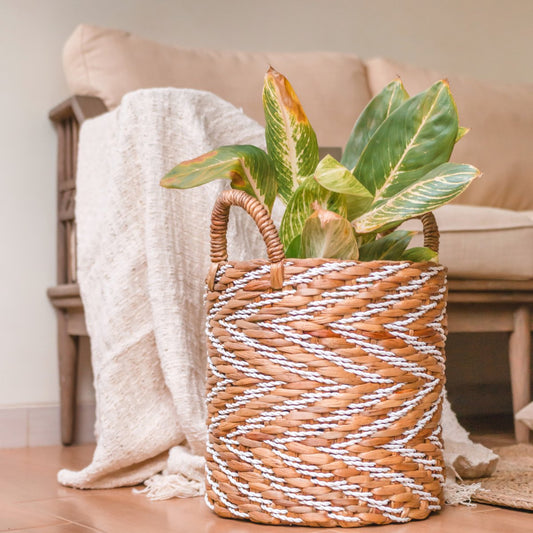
<point>486,237</point>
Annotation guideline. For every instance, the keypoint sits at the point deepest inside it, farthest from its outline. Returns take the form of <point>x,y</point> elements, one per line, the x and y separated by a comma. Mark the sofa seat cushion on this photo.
<point>499,143</point>
<point>483,242</point>
<point>108,63</point>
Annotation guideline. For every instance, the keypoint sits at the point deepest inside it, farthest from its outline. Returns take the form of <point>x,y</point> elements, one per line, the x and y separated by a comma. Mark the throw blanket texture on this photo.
<point>143,252</point>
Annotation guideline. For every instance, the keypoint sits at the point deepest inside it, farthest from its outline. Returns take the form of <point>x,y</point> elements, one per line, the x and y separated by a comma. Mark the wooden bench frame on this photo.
<point>473,305</point>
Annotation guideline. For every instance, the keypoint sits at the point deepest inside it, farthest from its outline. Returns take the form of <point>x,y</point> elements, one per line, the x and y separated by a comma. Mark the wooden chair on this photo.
<point>473,305</point>
<point>65,296</point>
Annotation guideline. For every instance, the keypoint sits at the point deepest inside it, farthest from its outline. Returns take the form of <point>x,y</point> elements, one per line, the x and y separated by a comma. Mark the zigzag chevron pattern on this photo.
<point>324,397</point>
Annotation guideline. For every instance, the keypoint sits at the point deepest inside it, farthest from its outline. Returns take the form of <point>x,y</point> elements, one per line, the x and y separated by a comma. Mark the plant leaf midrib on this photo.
<point>258,194</point>
<point>283,133</point>
<point>395,171</point>
<point>394,167</point>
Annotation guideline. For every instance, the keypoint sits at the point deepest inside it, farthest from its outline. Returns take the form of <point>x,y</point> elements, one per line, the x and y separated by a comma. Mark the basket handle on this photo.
<point>431,231</point>
<point>276,255</point>
<point>261,217</point>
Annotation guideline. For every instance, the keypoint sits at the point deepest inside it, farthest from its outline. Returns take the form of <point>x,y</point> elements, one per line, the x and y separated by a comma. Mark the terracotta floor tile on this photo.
<point>67,527</point>
<point>34,502</point>
<point>13,517</point>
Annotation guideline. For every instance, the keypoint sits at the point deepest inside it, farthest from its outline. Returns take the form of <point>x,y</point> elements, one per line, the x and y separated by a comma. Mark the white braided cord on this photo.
<point>329,388</point>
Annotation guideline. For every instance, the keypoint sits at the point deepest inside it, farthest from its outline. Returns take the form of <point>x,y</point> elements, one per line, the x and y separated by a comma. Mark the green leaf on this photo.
<point>249,168</point>
<point>461,132</point>
<point>337,203</point>
<point>294,248</point>
<point>299,208</point>
<point>436,188</point>
<point>388,248</point>
<point>326,234</point>
<point>413,140</point>
<point>337,178</point>
<point>374,114</point>
<point>290,139</point>
<point>419,254</point>
<point>365,238</point>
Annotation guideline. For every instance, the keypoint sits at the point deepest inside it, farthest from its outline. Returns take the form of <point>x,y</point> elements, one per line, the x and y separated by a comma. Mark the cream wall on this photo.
<point>485,38</point>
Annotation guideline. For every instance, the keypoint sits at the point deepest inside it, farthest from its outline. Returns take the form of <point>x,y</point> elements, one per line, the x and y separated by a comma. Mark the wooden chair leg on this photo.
<point>68,368</point>
<point>520,364</point>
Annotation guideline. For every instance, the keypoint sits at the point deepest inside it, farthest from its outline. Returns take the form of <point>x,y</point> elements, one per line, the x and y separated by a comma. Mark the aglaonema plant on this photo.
<point>395,167</point>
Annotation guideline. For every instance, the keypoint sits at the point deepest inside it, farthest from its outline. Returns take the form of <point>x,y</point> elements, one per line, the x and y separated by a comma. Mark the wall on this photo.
<point>485,38</point>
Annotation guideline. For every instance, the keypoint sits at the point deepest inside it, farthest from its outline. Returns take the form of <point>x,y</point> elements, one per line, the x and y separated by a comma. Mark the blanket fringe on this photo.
<point>164,487</point>
<point>458,494</point>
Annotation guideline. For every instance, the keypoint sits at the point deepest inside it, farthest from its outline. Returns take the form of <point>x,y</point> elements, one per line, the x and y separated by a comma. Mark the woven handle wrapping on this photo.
<point>260,215</point>
<point>431,232</point>
<point>219,227</point>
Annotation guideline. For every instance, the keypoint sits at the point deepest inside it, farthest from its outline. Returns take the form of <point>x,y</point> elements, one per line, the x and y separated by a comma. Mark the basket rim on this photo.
<point>288,261</point>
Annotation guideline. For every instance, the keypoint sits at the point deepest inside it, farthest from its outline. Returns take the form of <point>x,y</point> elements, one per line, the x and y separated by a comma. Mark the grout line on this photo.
<point>42,526</point>
<point>85,526</point>
<point>88,527</point>
<point>63,523</point>
<point>54,515</point>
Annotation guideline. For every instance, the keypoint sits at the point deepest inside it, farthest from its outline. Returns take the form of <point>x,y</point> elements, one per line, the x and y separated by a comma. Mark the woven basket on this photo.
<point>324,384</point>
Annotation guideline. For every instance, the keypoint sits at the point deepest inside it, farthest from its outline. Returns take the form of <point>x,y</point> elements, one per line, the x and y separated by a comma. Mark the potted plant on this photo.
<point>394,167</point>
<point>326,361</point>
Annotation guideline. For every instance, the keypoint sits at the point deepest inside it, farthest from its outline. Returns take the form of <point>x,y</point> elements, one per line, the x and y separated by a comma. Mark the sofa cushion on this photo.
<point>109,63</point>
<point>500,143</point>
<point>483,242</point>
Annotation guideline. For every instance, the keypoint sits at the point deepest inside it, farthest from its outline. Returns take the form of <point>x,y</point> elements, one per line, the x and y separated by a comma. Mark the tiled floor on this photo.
<point>32,501</point>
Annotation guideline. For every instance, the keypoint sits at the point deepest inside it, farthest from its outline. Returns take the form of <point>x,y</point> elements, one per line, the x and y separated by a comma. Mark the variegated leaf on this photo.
<point>291,141</point>
<point>461,132</point>
<point>326,234</point>
<point>299,209</point>
<point>374,114</point>
<point>294,248</point>
<point>413,140</point>
<point>436,188</point>
<point>420,254</point>
<point>337,178</point>
<point>249,168</point>
<point>337,203</point>
<point>387,248</point>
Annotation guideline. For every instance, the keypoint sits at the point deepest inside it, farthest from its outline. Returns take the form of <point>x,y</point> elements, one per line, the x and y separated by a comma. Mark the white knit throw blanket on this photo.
<point>143,252</point>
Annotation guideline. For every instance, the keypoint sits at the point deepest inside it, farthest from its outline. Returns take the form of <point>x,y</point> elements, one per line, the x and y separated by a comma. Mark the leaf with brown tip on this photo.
<point>248,168</point>
<point>291,141</point>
